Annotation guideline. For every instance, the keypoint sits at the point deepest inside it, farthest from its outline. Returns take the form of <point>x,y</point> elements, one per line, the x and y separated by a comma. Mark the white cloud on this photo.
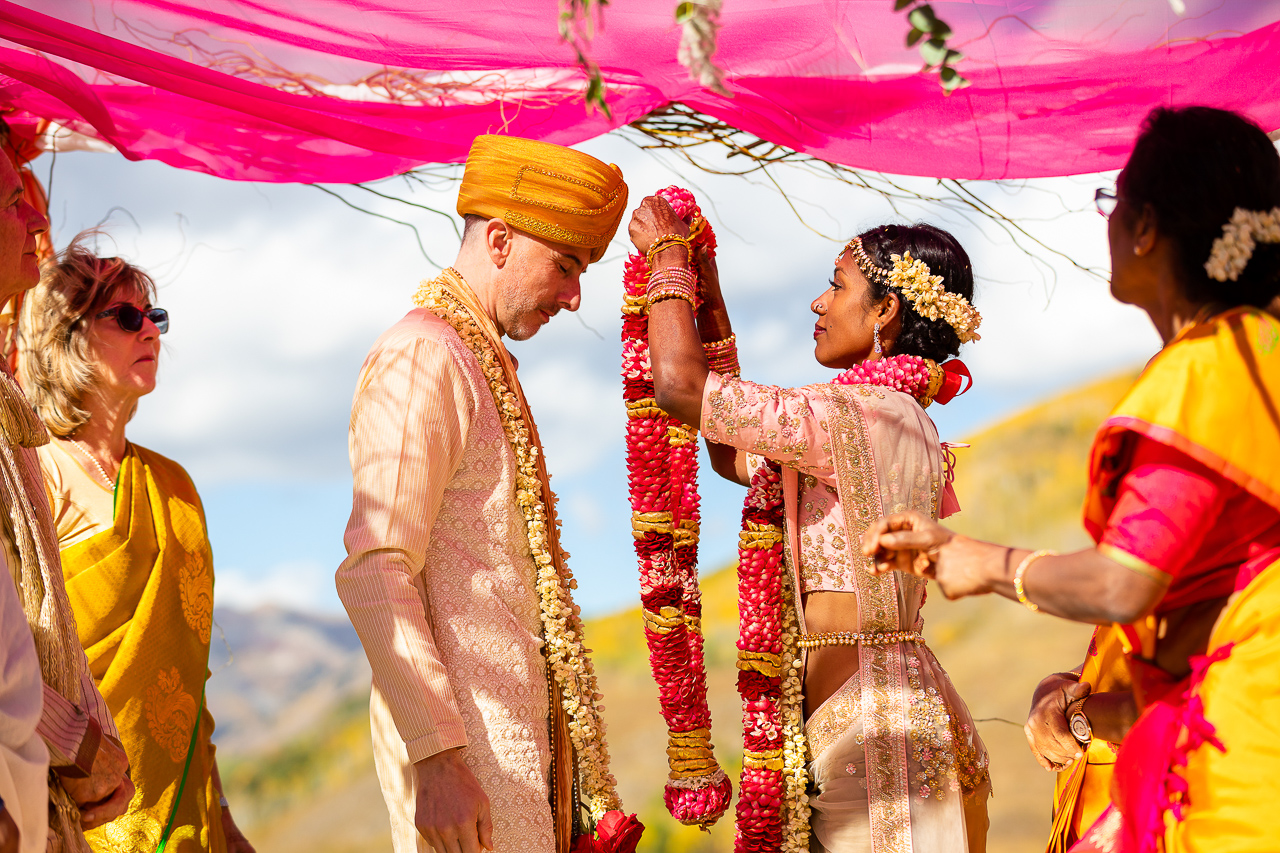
<point>277,292</point>
<point>290,585</point>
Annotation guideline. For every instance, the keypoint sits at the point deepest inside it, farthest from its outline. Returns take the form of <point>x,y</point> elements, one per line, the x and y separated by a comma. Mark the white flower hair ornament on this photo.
<point>925,291</point>
<point>913,279</point>
<point>1246,229</point>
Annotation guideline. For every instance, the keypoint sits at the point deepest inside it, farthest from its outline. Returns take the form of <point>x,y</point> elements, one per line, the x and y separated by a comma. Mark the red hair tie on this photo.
<point>953,382</point>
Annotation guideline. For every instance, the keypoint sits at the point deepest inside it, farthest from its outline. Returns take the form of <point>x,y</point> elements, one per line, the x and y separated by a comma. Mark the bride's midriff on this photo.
<point>828,667</point>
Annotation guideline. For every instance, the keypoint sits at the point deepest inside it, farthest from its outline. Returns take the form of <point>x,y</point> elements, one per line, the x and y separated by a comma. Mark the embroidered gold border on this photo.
<point>884,712</point>
<point>556,233</point>
<point>610,197</point>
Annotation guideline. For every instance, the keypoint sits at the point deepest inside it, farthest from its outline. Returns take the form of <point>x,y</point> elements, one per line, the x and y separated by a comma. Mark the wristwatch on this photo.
<point>1078,723</point>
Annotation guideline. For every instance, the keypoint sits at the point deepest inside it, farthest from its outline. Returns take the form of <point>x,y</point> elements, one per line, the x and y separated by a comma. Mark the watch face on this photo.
<point>1080,728</point>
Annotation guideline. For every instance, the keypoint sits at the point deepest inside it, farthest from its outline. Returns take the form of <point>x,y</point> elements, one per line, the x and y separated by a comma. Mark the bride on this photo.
<point>896,762</point>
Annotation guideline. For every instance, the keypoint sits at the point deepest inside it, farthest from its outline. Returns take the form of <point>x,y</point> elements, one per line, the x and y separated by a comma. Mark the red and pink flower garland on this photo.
<point>662,470</point>
<point>907,373</point>
<point>773,763</point>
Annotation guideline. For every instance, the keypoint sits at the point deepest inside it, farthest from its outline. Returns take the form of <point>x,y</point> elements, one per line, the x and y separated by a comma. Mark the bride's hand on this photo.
<point>654,218</point>
<point>709,276</point>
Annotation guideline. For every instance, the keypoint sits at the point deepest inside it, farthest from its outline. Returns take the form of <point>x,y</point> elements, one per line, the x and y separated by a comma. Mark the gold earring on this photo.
<point>876,333</point>
<point>1137,250</point>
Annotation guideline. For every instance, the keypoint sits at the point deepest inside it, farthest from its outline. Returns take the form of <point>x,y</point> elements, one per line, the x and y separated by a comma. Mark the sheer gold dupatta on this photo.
<point>142,592</point>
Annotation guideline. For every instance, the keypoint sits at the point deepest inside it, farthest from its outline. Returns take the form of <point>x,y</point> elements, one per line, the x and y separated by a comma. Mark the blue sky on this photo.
<point>276,293</point>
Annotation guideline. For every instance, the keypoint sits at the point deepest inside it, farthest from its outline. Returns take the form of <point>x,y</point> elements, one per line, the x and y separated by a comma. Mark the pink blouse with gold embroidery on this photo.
<point>792,426</point>
<point>896,760</point>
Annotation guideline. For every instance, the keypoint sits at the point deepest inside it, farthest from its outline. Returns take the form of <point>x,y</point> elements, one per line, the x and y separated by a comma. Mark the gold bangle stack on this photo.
<point>722,356</point>
<point>851,638</point>
<point>672,283</point>
<point>1018,588</point>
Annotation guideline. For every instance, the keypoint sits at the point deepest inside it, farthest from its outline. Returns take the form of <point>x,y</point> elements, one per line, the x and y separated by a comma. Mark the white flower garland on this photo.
<point>562,624</point>
<point>795,746</point>
<point>1232,251</point>
<point>931,300</point>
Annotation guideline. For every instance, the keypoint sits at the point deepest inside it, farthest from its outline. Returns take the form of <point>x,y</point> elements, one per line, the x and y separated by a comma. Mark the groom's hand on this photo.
<point>452,810</point>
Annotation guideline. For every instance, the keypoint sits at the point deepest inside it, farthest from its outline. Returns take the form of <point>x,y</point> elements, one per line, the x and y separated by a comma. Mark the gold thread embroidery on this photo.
<point>196,588</point>
<point>171,712</point>
<point>612,197</point>
<point>556,233</point>
<point>834,718</point>
<point>883,698</point>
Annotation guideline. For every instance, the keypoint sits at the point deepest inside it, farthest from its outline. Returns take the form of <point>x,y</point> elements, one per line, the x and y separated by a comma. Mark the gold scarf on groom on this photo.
<point>142,592</point>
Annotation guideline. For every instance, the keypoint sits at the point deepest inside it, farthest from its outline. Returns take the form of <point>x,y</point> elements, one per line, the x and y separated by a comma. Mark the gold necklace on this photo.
<point>96,464</point>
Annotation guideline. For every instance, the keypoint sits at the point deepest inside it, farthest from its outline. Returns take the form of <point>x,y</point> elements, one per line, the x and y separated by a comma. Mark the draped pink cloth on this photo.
<point>352,90</point>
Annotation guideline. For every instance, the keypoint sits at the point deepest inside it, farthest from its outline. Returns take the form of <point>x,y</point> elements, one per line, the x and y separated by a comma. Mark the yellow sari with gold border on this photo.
<point>142,592</point>
<point>1212,393</point>
<point>1083,790</point>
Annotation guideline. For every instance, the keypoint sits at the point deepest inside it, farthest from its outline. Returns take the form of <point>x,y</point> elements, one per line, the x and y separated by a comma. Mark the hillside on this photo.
<point>1022,482</point>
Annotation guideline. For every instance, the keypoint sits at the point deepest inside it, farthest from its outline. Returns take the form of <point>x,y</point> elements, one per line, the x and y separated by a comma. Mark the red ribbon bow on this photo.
<point>953,382</point>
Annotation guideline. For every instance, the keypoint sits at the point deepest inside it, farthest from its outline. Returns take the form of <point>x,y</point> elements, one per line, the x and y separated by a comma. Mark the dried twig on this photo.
<point>686,132</point>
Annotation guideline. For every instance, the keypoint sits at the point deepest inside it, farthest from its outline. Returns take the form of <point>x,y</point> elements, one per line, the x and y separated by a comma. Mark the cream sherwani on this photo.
<point>439,583</point>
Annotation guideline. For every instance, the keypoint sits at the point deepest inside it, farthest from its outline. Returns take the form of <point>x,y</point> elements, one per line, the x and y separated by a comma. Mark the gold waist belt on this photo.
<point>849,638</point>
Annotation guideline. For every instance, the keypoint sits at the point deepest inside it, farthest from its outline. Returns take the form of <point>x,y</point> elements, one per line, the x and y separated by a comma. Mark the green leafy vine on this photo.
<point>931,33</point>
<point>578,24</point>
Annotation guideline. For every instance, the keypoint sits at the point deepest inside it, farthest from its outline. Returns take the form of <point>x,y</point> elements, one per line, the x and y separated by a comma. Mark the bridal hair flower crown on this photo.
<point>913,279</point>
<point>1231,252</point>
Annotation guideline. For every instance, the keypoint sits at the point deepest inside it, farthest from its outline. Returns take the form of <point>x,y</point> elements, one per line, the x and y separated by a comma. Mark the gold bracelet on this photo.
<point>666,241</point>
<point>724,345</point>
<point>672,291</point>
<point>722,356</point>
<point>1022,570</point>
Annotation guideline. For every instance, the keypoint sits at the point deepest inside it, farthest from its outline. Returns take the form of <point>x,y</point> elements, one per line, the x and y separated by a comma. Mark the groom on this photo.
<point>440,581</point>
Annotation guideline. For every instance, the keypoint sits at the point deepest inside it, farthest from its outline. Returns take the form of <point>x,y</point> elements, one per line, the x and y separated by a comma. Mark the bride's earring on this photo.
<point>878,349</point>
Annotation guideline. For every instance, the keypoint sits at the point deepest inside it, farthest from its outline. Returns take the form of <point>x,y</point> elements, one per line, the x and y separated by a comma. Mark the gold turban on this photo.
<point>547,190</point>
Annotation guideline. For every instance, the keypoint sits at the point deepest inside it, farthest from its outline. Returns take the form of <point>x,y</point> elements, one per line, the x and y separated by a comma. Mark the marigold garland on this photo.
<point>662,468</point>
<point>562,625</point>
<point>773,811</point>
<point>773,808</point>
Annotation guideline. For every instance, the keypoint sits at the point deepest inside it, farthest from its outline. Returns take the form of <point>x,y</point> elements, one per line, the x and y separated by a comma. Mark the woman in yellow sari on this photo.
<point>135,552</point>
<point>1184,505</point>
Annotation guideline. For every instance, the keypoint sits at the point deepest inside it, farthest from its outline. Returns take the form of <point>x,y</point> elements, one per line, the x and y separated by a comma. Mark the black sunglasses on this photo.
<point>130,317</point>
<point>1106,201</point>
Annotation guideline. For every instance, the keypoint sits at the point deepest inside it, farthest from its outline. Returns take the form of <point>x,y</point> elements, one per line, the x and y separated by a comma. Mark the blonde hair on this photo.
<point>54,363</point>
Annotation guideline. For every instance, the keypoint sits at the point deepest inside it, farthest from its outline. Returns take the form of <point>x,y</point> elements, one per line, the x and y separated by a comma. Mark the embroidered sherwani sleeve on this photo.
<point>787,425</point>
<point>409,424</point>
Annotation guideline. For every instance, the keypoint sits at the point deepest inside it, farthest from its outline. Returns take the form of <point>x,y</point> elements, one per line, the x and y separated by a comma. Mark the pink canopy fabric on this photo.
<point>353,90</point>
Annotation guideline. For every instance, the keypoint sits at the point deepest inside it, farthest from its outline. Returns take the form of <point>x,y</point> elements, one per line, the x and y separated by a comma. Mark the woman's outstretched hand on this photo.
<point>905,542</point>
<point>914,543</point>
<point>654,218</point>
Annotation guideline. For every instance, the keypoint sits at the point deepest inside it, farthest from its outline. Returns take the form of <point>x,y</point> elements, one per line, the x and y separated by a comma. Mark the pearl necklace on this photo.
<point>96,464</point>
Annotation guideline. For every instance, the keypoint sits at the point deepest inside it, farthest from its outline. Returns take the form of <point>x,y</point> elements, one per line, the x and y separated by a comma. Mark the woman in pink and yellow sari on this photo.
<point>135,552</point>
<point>1184,505</point>
<point>896,763</point>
